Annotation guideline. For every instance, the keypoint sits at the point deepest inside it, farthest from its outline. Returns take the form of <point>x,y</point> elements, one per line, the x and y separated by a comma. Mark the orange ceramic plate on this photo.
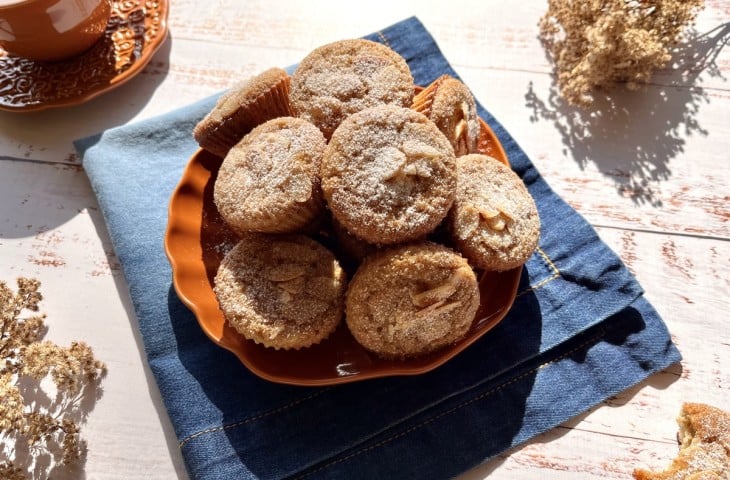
<point>197,239</point>
<point>135,31</point>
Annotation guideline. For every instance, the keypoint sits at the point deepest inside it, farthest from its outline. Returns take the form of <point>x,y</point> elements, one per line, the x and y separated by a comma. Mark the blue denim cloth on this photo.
<point>579,332</point>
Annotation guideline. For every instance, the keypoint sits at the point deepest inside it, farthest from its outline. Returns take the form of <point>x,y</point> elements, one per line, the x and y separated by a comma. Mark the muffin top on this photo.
<point>411,300</point>
<point>345,77</point>
<point>494,220</point>
<point>283,291</point>
<point>270,176</point>
<point>388,175</point>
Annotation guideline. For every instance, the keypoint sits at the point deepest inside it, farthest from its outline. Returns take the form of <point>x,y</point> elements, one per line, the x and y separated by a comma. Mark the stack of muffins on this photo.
<point>346,167</point>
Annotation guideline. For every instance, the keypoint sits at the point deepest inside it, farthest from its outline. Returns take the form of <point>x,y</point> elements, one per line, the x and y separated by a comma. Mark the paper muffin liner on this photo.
<point>301,343</point>
<point>423,100</point>
<point>272,104</point>
<point>251,108</point>
<point>304,217</point>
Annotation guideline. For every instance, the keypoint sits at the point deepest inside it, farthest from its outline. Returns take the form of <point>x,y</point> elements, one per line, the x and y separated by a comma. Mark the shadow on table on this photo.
<point>659,381</point>
<point>110,109</point>
<point>632,136</point>
<point>61,191</point>
<point>46,462</point>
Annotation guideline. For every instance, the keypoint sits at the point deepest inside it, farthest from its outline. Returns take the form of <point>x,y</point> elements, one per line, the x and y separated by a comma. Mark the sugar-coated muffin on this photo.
<point>411,300</point>
<point>494,221</point>
<point>345,77</point>
<point>388,175</point>
<point>269,181</point>
<point>282,291</point>
<point>451,106</point>
<point>241,108</point>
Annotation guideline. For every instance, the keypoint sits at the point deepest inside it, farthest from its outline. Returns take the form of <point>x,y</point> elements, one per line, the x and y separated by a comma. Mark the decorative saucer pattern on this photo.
<point>135,31</point>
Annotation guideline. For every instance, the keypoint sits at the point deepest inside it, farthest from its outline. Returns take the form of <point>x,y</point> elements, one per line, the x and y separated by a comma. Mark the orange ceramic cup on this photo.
<point>48,30</point>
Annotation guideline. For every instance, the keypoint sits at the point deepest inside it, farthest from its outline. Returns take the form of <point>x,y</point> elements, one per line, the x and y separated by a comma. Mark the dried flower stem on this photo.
<point>25,355</point>
<point>596,44</point>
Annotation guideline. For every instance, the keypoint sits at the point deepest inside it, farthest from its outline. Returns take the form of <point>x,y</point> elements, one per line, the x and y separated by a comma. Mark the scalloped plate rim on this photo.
<point>396,368</point>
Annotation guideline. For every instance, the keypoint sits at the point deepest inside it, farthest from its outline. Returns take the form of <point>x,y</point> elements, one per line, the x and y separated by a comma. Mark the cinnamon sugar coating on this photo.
<point>704,433</point>
<point>451,106</point>
<point>241,108</point>
<point>388,175</point>
<point>494,221</point>
<point>345,77</point>
<point>282,291</point>
<point>411,300</point>
<point>269,181</point>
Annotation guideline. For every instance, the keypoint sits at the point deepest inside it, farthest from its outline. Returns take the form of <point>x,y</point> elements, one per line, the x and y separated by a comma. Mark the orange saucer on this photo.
<point>134,33</point>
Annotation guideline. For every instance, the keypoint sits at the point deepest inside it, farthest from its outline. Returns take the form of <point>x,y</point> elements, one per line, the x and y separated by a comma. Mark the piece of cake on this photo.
<point>704,435</point>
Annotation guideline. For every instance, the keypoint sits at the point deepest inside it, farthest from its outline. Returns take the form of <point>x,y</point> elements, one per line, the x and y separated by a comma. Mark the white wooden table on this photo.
<point>652,175</point>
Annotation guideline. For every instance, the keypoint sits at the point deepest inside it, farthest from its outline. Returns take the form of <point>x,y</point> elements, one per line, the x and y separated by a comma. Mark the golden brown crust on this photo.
<point>283,291</point>
<point>388,175</point>
<point>411,300</point>
<point>344,77</point>
<point>244,106</point>
<point>269,181</point>
<point>704,433</point>
<point>494,221</point>
<point>451,106</point>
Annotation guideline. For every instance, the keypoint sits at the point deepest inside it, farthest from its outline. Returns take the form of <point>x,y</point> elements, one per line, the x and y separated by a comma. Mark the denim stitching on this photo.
<point>251,419</point>
<point>542,283</point>
<point>385,40</point>
<point>457,407</point>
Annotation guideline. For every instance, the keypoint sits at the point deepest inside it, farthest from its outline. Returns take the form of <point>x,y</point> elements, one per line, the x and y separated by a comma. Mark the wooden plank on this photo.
<point>648,169</point>
<point>208,48</point>
<point>570,454</point>
<point>51,229</point>
<point>685,279</point>
<point>626,184</point>
<point>480,35</point>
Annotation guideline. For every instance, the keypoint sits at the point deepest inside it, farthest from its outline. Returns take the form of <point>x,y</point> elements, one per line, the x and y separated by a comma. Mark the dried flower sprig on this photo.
<point>11,472</point>
<point>24,354</point>
<point>596,44</point>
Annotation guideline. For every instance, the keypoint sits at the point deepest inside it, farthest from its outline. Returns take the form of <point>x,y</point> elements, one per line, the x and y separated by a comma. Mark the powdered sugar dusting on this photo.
<point>348,76</point>
<point>269,181</point>
<point>388,174</point>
